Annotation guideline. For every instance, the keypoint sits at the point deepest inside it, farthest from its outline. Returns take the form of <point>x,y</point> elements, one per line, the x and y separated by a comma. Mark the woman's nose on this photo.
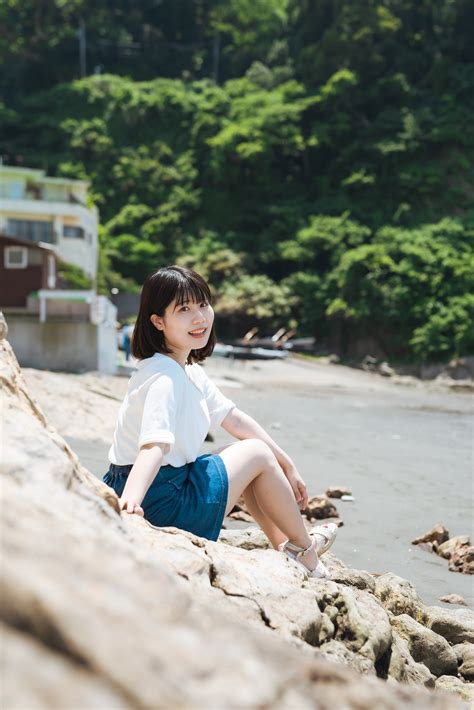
<point>198,317</point>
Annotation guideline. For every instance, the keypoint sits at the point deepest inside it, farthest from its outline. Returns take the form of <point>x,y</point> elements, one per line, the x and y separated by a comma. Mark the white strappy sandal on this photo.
<point>328,532</point>
<point>294,553</point>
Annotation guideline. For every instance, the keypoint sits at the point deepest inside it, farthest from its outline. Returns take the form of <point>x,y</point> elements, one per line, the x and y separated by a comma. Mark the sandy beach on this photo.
<point>403,448</point>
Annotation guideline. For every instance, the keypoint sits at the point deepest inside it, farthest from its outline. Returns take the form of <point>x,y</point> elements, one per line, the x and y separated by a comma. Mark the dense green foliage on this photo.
<point>312,159</point>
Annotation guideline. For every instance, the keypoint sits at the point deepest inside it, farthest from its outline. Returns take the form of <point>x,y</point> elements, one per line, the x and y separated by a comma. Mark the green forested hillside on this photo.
<point>314,159</point>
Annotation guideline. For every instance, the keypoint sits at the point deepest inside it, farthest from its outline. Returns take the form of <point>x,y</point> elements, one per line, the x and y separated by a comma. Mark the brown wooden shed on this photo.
<point>24,267</point>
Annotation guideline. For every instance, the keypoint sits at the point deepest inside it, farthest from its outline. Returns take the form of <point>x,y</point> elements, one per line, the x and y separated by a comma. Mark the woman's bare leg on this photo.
<point>271,530</point>
<point>251,461</point>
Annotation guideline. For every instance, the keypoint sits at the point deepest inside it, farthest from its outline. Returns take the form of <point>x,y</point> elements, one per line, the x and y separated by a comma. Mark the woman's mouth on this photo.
<point>198,333</point>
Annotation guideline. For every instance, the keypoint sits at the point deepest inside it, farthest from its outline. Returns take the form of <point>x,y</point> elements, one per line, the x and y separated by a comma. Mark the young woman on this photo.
<point>171,404</point>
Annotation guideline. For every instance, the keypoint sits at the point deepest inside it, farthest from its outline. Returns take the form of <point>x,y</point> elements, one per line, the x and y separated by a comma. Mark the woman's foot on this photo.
<point>306,557</point>
<point>324,536</point>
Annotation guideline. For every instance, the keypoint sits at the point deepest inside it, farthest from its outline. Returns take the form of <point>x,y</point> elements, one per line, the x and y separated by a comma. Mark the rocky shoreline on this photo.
<point>105,610</point>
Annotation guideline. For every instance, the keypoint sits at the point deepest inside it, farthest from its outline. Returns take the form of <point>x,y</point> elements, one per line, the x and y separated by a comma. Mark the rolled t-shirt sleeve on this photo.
<point>219,406</point>
<point>160,410</point>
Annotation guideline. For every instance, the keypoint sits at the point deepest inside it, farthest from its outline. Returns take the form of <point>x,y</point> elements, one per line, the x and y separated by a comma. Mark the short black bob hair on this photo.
<point>159,290</point>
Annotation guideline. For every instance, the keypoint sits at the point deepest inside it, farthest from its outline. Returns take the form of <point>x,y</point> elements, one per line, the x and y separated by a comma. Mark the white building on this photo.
<point>37,208</point>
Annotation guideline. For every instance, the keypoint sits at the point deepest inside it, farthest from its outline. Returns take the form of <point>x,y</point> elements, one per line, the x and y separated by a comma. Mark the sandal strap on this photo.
<point>298,551</point>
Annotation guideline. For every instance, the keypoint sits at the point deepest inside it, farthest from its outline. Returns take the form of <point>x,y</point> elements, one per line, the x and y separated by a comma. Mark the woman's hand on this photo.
<point>129,505</point>
<point>298,486</point>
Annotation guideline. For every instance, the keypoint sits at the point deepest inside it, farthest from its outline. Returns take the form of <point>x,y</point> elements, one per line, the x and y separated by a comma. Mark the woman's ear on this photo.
<point>157,321</point>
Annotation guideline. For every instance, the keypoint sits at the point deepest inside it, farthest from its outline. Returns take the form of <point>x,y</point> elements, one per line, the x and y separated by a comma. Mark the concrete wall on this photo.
<point>62,345</point>
<point>127,304</point>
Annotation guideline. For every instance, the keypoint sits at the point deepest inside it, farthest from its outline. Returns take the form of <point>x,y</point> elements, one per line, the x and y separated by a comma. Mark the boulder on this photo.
<point>462,560</point>
<point>359,620</point>
<point>404,668</point>
<point>465,691</point>
<point>338,492</point>
<point>398,595</point>
<point>105,610</point>
<point>447,548</point>
<point>337,651</point>
<point>438,535</point>
<point>426,646</point>
<point>465,658</point>
<point>456,625</point>
<point>320,507</point>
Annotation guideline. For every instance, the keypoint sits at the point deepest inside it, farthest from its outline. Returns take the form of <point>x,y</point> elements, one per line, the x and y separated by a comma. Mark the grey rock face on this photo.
<point>398,595</point>
<point>404,668</point>
<point>108,611</point>
<point>465,691</point>
<point>456,625</point>
<point>425,646</point>
<point>465,658</point>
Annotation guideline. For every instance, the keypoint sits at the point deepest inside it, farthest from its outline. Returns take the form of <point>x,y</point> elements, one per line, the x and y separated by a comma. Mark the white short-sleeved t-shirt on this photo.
<point>167,404</point>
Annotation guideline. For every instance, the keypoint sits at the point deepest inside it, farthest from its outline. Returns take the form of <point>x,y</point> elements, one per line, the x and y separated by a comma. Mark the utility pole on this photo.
<point>81,34</point>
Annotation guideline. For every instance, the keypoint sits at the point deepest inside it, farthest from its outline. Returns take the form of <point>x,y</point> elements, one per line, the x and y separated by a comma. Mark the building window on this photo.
<point>73,232</point>
<point>16,257</point>
<point>31,230</point>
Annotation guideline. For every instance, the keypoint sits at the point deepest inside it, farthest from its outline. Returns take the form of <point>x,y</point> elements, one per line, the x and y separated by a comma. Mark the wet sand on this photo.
<point>405,450</point>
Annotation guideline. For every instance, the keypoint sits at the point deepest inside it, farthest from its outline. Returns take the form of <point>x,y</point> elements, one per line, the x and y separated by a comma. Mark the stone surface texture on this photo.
<point>104,610</point>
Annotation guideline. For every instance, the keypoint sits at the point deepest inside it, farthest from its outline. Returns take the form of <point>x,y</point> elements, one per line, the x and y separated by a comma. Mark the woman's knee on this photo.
<point>260,452</point>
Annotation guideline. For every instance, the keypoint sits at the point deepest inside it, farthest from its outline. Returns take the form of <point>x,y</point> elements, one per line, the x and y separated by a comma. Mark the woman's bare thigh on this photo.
<point>244,460</point>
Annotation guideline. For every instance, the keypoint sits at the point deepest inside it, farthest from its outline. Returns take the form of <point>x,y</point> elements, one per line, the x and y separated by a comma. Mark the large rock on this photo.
<point>447,548</point>
<point>398,595</point>
<point>358,619</point>
<point>426,646</point>
<point>465,691</point>
<point>462,560</point>
<point>105,610</point>
<point>465,658</point>
<point>319,508</point>
<point>456,625</point>
<point>438,535</point>
<point>404,668</point>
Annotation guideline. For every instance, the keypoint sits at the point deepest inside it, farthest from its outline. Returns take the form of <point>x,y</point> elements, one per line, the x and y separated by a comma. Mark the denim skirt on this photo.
<point>192,497</point>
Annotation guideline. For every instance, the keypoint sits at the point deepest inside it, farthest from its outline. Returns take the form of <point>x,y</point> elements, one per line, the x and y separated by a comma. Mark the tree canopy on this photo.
<point>313,159</point>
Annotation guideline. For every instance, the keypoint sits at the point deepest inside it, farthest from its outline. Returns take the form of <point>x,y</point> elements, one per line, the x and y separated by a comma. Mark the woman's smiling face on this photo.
<point>186,326</point>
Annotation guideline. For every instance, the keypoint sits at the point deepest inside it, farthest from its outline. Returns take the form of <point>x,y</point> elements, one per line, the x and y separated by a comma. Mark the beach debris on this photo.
<point>457,550</point>
<point>320,507</point>
<point>337,491</point>
<point>462,560</point>
<point>372,364</point>
<point>453,599</point>
<point>447,549</point>
<point>347,498</point>
<point>385,370</point>
<point>438,535</point>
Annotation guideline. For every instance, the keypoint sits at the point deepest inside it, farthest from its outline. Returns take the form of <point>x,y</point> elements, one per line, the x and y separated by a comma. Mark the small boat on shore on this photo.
<point>237,352</point>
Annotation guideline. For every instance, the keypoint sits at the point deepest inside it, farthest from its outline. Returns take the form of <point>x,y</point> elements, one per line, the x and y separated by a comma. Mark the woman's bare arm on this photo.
<point>144,470</point>
<point>243,426</point>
